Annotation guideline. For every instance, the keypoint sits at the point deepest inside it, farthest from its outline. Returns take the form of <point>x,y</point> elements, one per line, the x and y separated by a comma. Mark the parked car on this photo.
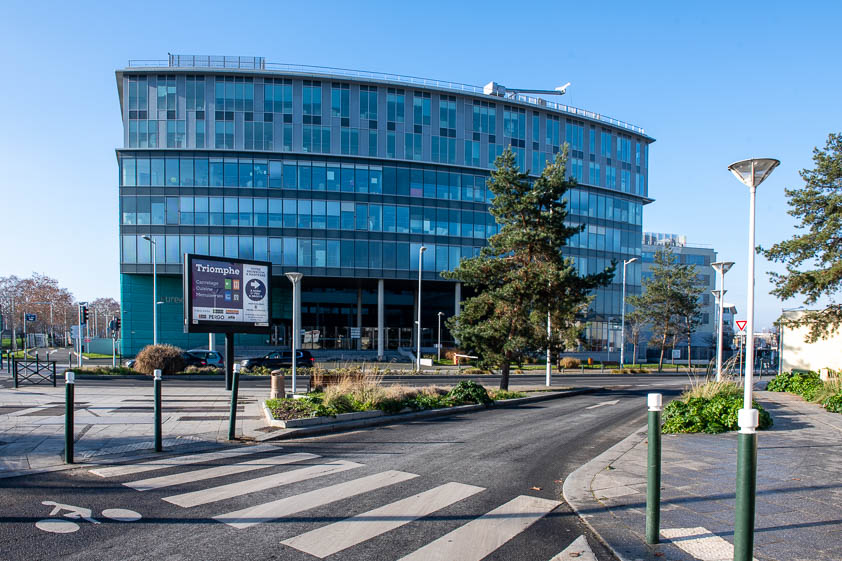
<point>280,359</point>
<point>210,358</point>
<point>129,363</point>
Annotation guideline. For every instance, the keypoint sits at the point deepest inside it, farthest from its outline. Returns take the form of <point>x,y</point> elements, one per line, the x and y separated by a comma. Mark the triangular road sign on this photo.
<point>742,324</point>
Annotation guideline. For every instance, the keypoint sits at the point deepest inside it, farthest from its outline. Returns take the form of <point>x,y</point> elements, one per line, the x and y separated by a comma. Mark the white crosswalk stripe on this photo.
<point>288,506</point>
<point>333,538</point>
<point>190,459</point>
<point>230,490</point>
<point>216,471</point>
<point>478,538</point>
<point>472,541</point>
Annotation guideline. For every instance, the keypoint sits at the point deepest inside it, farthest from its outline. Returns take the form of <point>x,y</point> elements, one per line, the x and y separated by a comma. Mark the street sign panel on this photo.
<point>355,333</point>
<point>741,324</point>
<point>30,317</point>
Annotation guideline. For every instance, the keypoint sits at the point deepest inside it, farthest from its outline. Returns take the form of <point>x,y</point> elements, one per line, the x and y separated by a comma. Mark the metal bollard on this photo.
<point>157,384</point>
<point>277,389</point>
<point>653,470</point>
<point>69,383</point>
<point>235,384</point>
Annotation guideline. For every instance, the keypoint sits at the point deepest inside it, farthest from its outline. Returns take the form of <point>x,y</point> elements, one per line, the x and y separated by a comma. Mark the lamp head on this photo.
<point>148,238</point>
<point>722,266</point>
<point>294,278</point>
<point>629,261</point>
<point>422,249</point>
<point>754,171</point>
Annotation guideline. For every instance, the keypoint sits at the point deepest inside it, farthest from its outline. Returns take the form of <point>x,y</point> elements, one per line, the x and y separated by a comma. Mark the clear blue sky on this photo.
<point>713,82</point>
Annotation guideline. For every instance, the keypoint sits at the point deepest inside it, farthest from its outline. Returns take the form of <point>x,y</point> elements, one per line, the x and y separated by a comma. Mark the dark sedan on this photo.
<point>280,359</point>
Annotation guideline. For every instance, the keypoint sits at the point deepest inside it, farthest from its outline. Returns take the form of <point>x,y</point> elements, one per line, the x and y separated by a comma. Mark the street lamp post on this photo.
<point>421,251</point>
<point>623,315</point>
<point>295,279</point>
<point>154,289</point>
<point>438,350</point>
<point>751,173</point>
<point>721,267</point>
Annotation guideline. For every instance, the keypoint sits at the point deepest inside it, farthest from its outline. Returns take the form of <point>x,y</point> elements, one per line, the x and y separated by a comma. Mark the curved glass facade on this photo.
<point>344,180</point>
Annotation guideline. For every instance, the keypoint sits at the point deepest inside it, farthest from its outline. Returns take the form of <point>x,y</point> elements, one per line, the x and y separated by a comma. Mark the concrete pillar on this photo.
<point>457,299</point>
<point>457,293</point>
<point>360,316</point>
<point>381,319</point>
<point>413,325</point>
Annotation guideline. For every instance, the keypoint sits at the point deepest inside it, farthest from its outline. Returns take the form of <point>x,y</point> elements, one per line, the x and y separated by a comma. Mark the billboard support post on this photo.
<point>229,360</point>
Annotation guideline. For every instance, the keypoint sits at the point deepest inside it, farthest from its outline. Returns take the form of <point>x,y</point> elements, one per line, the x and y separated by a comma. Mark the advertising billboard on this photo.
<point>226,295</point>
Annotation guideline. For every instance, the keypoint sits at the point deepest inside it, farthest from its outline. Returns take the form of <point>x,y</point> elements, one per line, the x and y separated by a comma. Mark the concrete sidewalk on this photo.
<point>799,490</point>
<point>116,421</point>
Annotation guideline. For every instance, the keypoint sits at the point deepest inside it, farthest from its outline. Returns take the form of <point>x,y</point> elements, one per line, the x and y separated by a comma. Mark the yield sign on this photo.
<point>742,324</point>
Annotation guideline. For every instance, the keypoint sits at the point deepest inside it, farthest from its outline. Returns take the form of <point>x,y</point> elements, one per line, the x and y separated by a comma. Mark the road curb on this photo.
<point>326,428</point>
<point>577,486</point>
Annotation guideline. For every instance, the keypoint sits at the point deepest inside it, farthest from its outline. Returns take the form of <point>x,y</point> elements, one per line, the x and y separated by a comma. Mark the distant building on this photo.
<point>797,354</point>
<point>704,338</point>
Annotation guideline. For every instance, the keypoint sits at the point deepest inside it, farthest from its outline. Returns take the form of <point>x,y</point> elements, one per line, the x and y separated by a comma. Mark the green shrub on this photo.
<point>340,403</point>
<point>833,403</point>
<point>802,383</point>
<point>468,391</point>
<point>167,358</point>
<point>425,401</point>
<point>709,415</point>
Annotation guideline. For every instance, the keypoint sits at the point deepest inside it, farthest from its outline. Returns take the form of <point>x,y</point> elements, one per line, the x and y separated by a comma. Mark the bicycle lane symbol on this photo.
<point>63,526</point>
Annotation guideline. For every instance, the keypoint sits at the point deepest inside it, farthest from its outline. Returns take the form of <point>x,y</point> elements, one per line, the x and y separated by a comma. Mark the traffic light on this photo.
<point>84,315</point>
<point>117,324</point>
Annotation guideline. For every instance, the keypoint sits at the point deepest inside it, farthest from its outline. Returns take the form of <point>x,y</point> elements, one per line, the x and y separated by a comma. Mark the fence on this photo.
<point>34,371</point>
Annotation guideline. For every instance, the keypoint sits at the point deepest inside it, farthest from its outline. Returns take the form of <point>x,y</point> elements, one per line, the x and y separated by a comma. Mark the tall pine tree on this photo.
<point>522,274</point>
<point>813,258</point>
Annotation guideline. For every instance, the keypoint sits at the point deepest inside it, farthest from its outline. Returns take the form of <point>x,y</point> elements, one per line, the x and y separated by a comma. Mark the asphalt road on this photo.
<point>512,457</point>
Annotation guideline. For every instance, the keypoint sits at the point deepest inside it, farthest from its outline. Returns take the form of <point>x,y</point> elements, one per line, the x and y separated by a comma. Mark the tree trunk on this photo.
<point>663,348</point>
<point>504,376</point>
<point>689,354</point>
<point>634,356</point>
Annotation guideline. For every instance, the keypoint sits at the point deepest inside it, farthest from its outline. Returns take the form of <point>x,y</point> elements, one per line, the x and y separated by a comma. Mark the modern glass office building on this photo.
<point>343,176</point>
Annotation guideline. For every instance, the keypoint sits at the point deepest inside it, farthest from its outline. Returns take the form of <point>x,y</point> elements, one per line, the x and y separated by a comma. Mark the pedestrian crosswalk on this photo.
<point>474,539</point>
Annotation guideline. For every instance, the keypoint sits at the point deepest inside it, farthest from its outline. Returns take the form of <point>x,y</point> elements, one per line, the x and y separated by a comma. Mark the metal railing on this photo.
<point>259,63</point>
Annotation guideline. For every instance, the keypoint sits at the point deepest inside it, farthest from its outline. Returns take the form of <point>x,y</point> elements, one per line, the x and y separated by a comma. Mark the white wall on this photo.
<point>799,355</point>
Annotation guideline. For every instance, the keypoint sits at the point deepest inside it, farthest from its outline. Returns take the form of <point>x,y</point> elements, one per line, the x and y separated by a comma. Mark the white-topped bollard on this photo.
<point>235,386</point>
<point>69,385</point>
<point>157,387</point>
<point>655,401</point>
<point>748,420</point>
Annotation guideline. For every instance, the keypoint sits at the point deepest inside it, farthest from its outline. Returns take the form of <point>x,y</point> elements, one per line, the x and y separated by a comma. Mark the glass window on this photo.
<point>347,216</point>
<point>290,251</point>
<point>217,247</point>
<point>402,250</point>
<point>260,212</point>
<point>144,251</point>
<point>143,172</point>
<point>319,253</point>
<point>216,173</point>
<point>200,211</point>
<point>362,216</point>
<point>157,172</point>
<point>389,216</point>
<point>319,178</point>
<point>230,217</point>
<point>304,213</point>
<point>246,249</point>
<point>231,172</point>
<point>129,249</point>
<point>361,179</point>
<point>261,248</point>
<point>201,245</point>
<point>173,249</point>
<point>158,210</point>
<point>245,211</point>
<point>375,256</point>
<point>290,214</point>
<point>333,215</point>
<point>276,213</point>
<point>333,253</point>
<point>304,177</point>
<point>276,251</point>
<point>347,179</point>
<point>374,218</point>
<point>232,246</point>
<point>389,256</point>
<point>347,253</point>
<point>332,178</point>
<point>275,174</point>
<point>129,210</point>
<point>402,219</point>
<point>416,183</point>
<point>319,215</point>
<point>129,172</point>
<point>172,211</point>
<point>402,181</point>
<point>361,254</point>
<point>246,173</point>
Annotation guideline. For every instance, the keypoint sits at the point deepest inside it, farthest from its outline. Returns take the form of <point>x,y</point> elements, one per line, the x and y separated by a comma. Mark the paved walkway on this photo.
<point>116,420</point>
<point>799,490</point>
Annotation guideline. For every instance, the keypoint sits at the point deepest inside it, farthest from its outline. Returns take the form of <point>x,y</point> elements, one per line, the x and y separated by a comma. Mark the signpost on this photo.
<point>741,325</point>
<point>226,296</point>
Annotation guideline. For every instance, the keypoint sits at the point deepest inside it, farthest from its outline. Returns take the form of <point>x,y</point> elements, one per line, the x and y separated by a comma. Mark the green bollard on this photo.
<point>157,383</point>
<point>748,419</point>
<point>232,423</point>
<point>69,383</point>
<point>653,470</point>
